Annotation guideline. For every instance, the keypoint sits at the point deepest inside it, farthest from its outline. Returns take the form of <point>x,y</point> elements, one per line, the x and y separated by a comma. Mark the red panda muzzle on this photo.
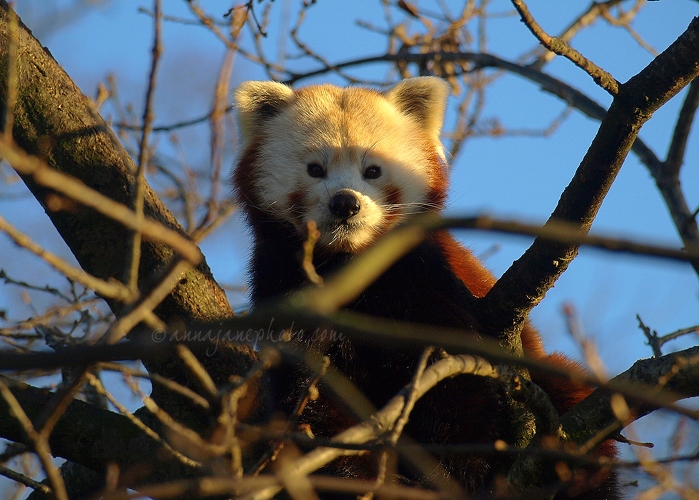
<point>344,205</point>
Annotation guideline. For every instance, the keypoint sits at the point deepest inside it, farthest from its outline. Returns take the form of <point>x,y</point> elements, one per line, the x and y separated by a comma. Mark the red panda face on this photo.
<point>355,161</point>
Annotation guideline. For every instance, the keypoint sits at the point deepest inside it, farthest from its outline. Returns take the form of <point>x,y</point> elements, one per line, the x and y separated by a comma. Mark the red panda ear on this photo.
<point>256,102</point>
<point>423,98</point>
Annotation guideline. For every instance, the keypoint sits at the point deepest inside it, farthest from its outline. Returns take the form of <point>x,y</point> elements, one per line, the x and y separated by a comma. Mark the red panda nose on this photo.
<point>344,205</point>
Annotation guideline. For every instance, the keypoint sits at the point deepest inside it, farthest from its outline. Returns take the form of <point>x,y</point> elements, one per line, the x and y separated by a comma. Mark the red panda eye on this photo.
<point>315,170</point>
<point>373,172</point>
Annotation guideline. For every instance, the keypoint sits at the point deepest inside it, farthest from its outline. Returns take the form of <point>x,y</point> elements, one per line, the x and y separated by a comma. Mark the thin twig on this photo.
<point>590,352</point>
<point>22,479</point>
<point>361,327</point>
<point>196,369</point>
<point>369,265</point>
<point>143,310</point>
<point>54,312</point>
<point>237,487</point>
<point>231,393</point>
<point>678,145</point>
<point>656,341</point>
<point>308,246</point>
<point>73,188</point>
<point>28,286</point>
<point>38,441</point>
<point>582,21</point>
<point>154,378</point>
<point>306,395</point>
<point>108,289</point>
<point>412,396</point>
<point>180,430</point>
<point>392,440</point>
<point>226,209</point>
<point>139,188</point>
<point>218,138</point>
<point>600,76</point>
<point>218,112</point>
<point>97,384</point>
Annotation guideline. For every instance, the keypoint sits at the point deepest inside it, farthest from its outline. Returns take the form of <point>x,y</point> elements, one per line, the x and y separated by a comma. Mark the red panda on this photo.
<point>358,162</point>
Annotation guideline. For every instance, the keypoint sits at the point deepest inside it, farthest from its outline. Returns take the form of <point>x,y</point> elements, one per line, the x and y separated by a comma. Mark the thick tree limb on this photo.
<point>202,338</point>
<point>95,438</point>
<point>593,419</point>
<point>53,120</point>
<point>89,435</point>
<point>104,427</point>
<point>526,282</point>
<point>676,372</point>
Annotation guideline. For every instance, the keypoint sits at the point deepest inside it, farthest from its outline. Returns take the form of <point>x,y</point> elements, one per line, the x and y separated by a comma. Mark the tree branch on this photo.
<point>678,145</point>
<point>586,19</point>
<point>526,282</point>
<point>667,176</point>
<point>677,373</point>
<point>53,120</point>
<point>560,47</point>
<point>37,440</point>
<point>593,420</point>
<point>580,423</point>
<point>89,435</point>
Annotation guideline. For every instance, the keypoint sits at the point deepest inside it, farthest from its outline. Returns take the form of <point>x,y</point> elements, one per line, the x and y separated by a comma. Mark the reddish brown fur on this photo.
<point>439,182</point>
<point>564,394</point>
<point>392,196</point>
<point>479,280</point>
<point>244,182</point>
<point>411,292</point>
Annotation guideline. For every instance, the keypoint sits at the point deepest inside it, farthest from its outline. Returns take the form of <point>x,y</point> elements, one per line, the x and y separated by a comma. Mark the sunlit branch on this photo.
<point>560,47</point>
<point>138,189</point>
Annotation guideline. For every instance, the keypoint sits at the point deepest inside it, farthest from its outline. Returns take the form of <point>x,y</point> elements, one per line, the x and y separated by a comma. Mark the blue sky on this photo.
<point>515,177</point>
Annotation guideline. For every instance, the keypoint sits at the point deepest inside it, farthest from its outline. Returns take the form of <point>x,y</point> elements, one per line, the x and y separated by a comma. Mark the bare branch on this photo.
<point>239,486</point>
<point>673,373</point>
<point>678,145</point>
<point>95,382</point>
<point>143,310</point>
<point>45,176</point>
<point>587,18</point>
<point>112,289</point>
<point>138,190</point>
<point>560,47</point>
<point>156,379</point>
<point>656,342</point>
<point>198,371</point>
<point>368,266</point>
<point>525,283</point>
<point>52,313</point>
<point>38,441</point>
<point>383,420</point>
<point>22,479</point>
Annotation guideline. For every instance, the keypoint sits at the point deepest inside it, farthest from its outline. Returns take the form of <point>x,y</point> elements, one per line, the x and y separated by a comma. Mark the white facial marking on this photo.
<point>345,131</point>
